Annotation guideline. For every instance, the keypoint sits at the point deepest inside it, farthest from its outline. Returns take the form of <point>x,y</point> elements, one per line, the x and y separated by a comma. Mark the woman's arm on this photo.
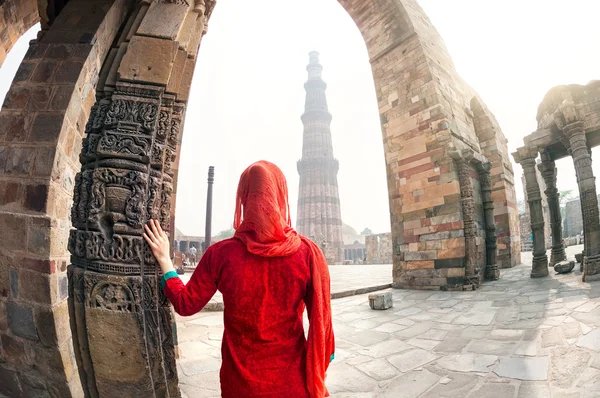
<point>186,299</point>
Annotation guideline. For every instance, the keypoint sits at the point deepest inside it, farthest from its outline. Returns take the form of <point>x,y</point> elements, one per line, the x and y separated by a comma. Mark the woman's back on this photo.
<point>263,347</point>
<point>267,274</point>
<point>264,335</point>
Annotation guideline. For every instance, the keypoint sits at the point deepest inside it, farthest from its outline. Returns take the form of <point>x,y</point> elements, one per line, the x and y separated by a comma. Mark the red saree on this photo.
<point>267,274</point>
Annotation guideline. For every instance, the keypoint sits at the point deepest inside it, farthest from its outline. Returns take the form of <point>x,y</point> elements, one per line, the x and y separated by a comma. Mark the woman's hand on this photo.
<point>159,243</point>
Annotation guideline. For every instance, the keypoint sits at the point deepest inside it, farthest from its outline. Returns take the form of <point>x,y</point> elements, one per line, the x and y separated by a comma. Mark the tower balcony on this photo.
<point>318,163</point>
<point>311,115</point>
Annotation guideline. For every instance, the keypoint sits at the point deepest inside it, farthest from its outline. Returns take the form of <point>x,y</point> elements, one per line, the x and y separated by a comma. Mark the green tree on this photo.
<point>225,234</point>
<point>367,231</point>
<point>521,206</point>
<point>565,196</point>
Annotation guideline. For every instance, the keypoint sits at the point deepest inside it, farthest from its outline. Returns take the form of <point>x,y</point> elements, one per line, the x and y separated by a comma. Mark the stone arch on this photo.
<point>16,17</point>
<point>122,78</point>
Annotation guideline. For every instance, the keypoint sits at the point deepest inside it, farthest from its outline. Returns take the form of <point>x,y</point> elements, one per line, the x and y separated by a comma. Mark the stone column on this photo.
<point>462,160</point>
<point>548,170</point>
<point>122,323</point>
<point>570,119</point>
<point>492,272</point>
<point>526,157</point>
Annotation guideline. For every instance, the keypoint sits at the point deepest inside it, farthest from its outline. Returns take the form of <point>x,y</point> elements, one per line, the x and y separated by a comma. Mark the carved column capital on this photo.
<point>569,116</point>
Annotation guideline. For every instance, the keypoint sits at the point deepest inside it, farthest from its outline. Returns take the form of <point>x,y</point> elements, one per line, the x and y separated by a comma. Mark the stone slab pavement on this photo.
<point>346,280</point>
<point>517,337</point>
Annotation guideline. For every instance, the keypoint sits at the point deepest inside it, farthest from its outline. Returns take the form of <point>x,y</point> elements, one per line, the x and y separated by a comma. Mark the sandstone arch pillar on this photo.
<point>570,119</point>
<point>526,157</point>
<point>41,126</point>
<point>492,272</point>
<point>127,177</point>
<point>548,170</point>
<point>462,160</point>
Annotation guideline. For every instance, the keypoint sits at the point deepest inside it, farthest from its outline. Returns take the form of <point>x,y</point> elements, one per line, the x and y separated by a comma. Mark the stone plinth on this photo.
<point>381,301</point>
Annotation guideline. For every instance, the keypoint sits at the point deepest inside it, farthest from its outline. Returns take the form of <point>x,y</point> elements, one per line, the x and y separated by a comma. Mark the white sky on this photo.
<point>248,92</point>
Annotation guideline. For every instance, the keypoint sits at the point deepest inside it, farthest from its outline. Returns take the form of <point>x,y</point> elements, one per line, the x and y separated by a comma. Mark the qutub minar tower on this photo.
<point>319,216</point>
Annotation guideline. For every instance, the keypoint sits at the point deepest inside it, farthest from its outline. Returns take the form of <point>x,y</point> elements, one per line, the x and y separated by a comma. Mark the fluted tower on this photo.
<point>319,215</point>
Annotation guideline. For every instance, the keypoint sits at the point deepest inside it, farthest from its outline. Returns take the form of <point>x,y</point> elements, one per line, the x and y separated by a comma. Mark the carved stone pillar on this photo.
<point>526,157</point>
<point>570,119</point>
<point>121,321</point>
<point>462,160</point>
<point>548,170</point>
<point>492,272</point>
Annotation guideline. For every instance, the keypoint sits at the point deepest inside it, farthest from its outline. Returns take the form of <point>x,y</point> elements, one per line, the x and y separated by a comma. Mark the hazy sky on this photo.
<point>248,92</point>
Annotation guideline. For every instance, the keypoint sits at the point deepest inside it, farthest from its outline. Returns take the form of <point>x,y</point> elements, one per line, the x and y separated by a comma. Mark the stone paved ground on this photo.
<point>516,337</point>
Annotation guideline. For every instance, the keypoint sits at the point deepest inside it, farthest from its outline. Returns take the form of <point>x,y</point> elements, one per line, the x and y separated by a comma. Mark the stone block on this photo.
<point>59,51</point>
<point>13,231</point>
<point>14,350</point>
<point>36,51</point>
<point>15,126</point>
<point>68,72</point>
<point>44,160</point>
<point>16,98</point>
<point>35,197</point>
<point>163,20</point>
<point>20,321</point>
<point>36,287</point>
<point>46,127</point>
<point>43,72</point>
<point>140,63</point>
<point>381,301</point>
<point>579,257</point>
<point>564,267</point>
<point>414,265</point>
<point>10,386</point>
<point>450,262</point>
<point>38,240</point>
<point>420,256</point>
<point>10,192</point>
<point>43,266</point>
<point>62,96</point>
<point>24,72</point>
<point>39,97</point>
<point>55,324</point>
<point>63,287</point>
<point>18,160</point>
<point>13,277</point>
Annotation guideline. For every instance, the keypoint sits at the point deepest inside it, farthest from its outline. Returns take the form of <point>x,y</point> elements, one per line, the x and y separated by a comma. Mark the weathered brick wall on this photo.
<point>573,221</point>
<point>16,17</point>
<point>506,214</point>
<point>525,225</point>
<point>424,108</point>
<point>379,248</point>
<point>43,120</point>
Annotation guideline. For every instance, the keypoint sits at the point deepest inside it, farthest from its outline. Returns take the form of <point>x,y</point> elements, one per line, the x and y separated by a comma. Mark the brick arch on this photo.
<point>135,66</point>
<point>16,17</point>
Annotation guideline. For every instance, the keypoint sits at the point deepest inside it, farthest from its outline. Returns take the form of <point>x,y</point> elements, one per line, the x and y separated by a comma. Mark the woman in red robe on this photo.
<point>267,274</point>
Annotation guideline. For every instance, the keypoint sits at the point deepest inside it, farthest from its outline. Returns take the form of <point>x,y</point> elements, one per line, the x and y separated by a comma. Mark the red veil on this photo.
<point>262,222</point>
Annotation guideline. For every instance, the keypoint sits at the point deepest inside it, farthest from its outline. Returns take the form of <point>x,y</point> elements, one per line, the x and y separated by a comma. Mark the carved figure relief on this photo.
<point>128,111</point>
<point>112,297</point>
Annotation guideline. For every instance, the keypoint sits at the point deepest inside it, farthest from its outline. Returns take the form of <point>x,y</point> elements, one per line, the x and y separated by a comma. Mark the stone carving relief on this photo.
<point>112,297</point>
<point>131,142</point>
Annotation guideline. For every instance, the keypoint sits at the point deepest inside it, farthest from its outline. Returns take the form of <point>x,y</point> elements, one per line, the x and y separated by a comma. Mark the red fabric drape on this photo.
<point>262,222</point>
